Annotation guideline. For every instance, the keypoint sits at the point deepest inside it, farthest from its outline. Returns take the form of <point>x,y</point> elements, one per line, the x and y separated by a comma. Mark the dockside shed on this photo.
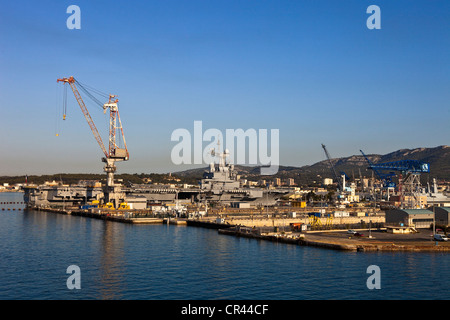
<point>418,218</point>
<point>442,215</point>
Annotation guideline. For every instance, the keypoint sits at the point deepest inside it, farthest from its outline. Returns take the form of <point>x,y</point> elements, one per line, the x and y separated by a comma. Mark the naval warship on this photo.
<point>220,184</point>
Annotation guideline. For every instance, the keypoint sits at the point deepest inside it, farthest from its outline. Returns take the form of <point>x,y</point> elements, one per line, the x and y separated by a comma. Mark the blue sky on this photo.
<point>311,69</point>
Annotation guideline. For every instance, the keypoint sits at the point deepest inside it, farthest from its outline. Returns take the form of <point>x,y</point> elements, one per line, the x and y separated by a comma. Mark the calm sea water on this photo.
<point>160,262</point>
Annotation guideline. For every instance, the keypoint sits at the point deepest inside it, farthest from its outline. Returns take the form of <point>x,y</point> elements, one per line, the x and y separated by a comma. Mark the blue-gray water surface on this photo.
<point>167,262</point>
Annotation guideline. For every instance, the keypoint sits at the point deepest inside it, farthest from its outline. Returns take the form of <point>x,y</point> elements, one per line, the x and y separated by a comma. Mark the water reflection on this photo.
<point>112,269</point>
<point>124,261</point>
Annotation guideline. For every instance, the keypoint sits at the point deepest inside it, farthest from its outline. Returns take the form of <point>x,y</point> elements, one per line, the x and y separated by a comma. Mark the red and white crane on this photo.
<point>114,152</point>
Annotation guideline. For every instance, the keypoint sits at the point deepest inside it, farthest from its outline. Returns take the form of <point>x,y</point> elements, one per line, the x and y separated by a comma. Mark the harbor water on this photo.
<point>167,262</point>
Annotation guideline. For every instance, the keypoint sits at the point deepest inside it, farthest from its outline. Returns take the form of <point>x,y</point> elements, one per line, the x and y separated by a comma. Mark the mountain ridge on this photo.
<point>354,166</point>
<point>437,157</point>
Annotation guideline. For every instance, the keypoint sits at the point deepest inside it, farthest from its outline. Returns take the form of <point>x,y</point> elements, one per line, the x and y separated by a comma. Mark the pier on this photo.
<point>381,241</point>
<point>370,240</point>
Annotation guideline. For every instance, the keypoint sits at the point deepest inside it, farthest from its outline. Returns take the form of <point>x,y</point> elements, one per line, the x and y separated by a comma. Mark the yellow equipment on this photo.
<point>314,221</point>
<point>108,205</point>
<point>124,206</point>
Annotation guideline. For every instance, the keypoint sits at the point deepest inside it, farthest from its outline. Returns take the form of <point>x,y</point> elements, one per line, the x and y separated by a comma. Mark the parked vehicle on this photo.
<point>440,237</point>
<point>351,231</point>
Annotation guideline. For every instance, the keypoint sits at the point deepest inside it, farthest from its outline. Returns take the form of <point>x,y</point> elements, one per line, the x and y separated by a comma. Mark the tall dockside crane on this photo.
<point>385,178</point>
<point>333,170</point>
<point>114,152</point>
<point>409,178</point>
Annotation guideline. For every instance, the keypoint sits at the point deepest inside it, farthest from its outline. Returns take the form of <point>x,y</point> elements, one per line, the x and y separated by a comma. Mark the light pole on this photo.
<point>434,221</point>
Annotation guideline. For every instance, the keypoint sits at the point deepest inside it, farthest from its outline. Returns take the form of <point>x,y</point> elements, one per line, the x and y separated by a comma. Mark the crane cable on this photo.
<point>86,90</point>
<point>90,95</point>
<point>105,95</point>
<point>57,114</point>
<point>65,102</point>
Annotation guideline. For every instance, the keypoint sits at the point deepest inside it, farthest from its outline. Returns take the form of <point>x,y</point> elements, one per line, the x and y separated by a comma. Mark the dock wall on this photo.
<point>238,228</point>
<point>279,222</point>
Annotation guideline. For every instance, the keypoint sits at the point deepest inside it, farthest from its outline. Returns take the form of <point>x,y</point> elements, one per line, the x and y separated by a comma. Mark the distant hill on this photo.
<point>439,159</point>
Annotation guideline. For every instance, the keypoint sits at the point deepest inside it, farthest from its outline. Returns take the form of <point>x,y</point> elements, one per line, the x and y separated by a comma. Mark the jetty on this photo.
<point>367,240</point>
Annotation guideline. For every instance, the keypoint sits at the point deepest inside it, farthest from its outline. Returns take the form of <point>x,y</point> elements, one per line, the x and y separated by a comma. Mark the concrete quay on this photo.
<point>118,217</point>
<point>336,239</point>
<point>340,240</point>
<point>264,221</point>
<point>107,215</point>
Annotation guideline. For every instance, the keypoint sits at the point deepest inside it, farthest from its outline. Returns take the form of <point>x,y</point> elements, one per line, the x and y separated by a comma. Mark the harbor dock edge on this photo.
<point>301,239</point>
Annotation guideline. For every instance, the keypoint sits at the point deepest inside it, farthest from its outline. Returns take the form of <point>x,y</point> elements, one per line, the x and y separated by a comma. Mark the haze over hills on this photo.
<point>438,158</point>
<point>353,166</point>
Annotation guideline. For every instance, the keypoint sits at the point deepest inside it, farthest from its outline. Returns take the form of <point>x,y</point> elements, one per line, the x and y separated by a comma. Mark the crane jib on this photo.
<point>114,152</point>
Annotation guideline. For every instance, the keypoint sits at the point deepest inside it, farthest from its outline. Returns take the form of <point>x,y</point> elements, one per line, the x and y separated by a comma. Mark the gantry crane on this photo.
<point>386,178</point>
<point>409,185</point>
<point>114,152</point>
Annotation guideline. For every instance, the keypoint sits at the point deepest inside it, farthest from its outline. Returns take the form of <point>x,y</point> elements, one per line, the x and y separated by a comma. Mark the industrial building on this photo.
<point>418,218</point>
<point>442,215</point>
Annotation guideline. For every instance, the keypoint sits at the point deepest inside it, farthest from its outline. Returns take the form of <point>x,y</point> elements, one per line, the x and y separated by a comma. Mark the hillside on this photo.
<point>438,157</point>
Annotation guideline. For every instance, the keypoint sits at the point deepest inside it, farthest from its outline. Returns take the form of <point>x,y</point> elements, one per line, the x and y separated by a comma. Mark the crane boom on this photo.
<point>115,153</point>
<point>386,178</point>
<point>71,82</point>
<point>332,168</point>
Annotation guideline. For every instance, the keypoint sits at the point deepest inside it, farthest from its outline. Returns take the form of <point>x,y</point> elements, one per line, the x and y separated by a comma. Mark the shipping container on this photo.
<point>316,214</point>
<point>340,214</point>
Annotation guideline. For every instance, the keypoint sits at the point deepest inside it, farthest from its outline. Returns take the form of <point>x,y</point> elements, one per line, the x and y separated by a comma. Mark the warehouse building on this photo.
<point>418,218</point>
<point>442,215</point>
